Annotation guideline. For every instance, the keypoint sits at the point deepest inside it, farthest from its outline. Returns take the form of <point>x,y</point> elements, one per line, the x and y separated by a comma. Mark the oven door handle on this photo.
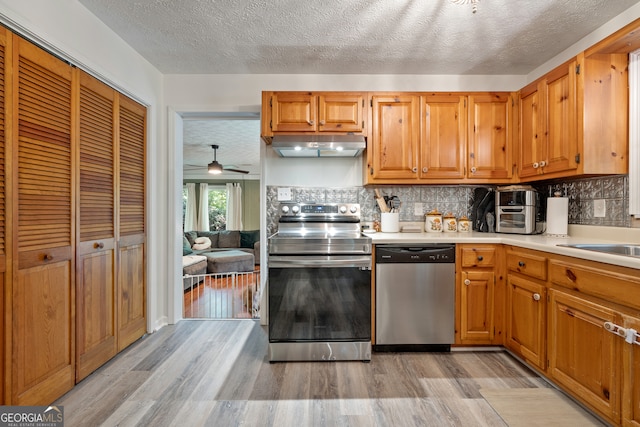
<point>323,261</point>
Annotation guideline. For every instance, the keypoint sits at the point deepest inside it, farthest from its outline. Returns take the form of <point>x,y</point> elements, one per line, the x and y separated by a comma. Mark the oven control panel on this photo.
<point>319,210</point>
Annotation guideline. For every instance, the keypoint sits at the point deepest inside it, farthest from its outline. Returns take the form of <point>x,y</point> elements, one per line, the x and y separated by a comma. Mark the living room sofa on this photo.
<point>222,255</point>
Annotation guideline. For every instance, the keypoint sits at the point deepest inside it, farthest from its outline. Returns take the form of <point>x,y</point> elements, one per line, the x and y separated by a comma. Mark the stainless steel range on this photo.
<point>319,270</point>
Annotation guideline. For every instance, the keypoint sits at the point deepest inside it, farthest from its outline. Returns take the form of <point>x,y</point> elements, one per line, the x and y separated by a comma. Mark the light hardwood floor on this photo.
<point>216,373</point>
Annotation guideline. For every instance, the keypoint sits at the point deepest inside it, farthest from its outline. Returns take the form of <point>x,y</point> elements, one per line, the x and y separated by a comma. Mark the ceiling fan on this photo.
<point>215,168</point>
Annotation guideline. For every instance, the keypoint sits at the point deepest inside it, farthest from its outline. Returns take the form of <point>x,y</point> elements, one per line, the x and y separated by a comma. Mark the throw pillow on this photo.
<point>229,239</point>
<point>202,243</point>
<point>212,235</point>
<point>186,246</point>
<point>249,238</point>
<point>191,236</point>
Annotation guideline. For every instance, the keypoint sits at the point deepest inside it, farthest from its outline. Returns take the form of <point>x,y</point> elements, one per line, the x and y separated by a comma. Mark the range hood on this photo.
<point>319,145</point>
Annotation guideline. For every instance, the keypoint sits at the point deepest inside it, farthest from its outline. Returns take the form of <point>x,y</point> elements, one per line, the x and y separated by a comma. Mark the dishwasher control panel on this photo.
<point>437,253</point>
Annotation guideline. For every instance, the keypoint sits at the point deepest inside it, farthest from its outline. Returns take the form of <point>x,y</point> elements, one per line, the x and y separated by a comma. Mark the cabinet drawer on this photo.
<point>588,278</point>
<point>529,264</point>
<point>480,256</point>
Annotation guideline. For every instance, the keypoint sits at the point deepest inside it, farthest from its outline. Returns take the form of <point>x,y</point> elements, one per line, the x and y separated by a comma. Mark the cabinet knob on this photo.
<point>414,170</point>
<point>480,257</point>
<point>520,263</point>
<point>467,282</point>
<point>473,169</point>
<point>310,122</point>
<point>536,165</point>
<point>98,245</point>
<point>425,169</point>
<point>322,122</point>
<point>543,163</point>
<point>48,257</point>
<point>536,297</point>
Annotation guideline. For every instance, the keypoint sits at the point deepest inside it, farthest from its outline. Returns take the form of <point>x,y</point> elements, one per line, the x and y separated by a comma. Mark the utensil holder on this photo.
<point>390,222</point>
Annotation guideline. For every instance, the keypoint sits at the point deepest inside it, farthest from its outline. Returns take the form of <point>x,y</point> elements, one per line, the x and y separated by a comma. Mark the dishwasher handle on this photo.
<point>416,254</point>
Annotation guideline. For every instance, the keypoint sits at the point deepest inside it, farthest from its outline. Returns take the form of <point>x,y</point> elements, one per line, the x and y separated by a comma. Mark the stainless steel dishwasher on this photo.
<point>415,297</point>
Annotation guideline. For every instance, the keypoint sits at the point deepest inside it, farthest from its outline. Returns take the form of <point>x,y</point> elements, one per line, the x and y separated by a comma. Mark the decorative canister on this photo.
<point>464,225</point>
<point>433,222</point>
<point>450,223</point>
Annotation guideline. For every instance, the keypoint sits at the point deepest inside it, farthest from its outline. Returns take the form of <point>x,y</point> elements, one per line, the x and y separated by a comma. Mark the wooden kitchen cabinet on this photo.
<point>393,147</point>
<point>444,137</point>
<point>583,356</point>
<point>313,112</point>
<point>479,296</point>
<point>573,120</point>
<point>548,123</point>
<point>526,305</point>
<point>631,376</point>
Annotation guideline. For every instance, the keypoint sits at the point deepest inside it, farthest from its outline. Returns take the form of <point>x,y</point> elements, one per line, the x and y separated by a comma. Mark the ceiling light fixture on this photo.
<point>215,168</point>
<point>473,3</point>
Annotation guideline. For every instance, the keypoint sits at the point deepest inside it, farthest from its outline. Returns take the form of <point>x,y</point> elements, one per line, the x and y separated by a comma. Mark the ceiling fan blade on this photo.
<point>236,170</point>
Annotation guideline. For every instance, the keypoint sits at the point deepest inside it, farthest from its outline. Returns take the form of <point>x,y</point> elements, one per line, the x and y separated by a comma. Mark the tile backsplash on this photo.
<point>419,199</point>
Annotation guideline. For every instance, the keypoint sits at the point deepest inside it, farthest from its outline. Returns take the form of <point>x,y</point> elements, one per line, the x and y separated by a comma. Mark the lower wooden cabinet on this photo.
<point>631,376</point>
<point>526,319</point>
<point>583,355</point>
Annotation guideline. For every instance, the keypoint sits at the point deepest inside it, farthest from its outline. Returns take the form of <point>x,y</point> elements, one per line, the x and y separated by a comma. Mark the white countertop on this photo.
<point>577,235</point>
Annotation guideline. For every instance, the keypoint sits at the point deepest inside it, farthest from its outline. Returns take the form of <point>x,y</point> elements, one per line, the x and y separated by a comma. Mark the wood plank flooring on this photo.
<point>216,373</point>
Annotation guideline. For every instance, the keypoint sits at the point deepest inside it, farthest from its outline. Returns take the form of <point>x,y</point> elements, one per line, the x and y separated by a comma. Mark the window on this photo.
<point>217,208</point>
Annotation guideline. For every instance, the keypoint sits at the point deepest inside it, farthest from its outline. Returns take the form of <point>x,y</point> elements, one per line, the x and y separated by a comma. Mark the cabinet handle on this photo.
<point>536,165</point>
<point>322,122</point>
<point>414,170</point>
<point>536,297</point>
<point>48,257</point>
<point>520,263</point>
<point>543,163</point>
<point>98,245</point>
<point>310,122</point>
<point>425,170</point>
<point>473,169</point>
<point>480,257</point>
<point>467,282</point>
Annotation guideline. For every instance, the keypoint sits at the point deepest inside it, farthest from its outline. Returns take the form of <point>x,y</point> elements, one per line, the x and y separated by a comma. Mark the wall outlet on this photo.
<point>599,208</point>
<point>284,194</point>
<point>418,210</point>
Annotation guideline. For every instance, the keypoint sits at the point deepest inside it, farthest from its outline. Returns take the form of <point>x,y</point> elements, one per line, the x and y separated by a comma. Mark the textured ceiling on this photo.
<point>352,36</point>
<point>504,37</point>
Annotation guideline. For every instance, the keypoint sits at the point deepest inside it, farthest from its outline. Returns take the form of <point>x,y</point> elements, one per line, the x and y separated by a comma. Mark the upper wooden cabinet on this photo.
<point>419,138</point>
<point>573,120</point>
<point>313,112</point>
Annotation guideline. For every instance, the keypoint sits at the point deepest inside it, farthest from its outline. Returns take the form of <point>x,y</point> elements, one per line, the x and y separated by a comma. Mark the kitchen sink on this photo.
<point>615,249</point>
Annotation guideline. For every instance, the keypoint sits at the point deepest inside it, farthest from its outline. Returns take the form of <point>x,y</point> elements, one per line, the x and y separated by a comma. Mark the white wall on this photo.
<point>68,29</point>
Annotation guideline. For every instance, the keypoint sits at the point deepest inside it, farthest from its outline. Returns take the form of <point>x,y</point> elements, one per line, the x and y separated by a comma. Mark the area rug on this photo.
<point>537,407</point>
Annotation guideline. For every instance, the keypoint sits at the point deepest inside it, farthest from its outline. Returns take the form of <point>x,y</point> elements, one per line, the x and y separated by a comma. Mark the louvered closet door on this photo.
<point>95,274</point>
<point>131,222</point>
<point>42,295</point>
<point>5,56</point>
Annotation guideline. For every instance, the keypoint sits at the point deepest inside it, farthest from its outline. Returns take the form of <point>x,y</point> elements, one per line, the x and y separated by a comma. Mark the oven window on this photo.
<point>512,220</point>
<point>319,304</point>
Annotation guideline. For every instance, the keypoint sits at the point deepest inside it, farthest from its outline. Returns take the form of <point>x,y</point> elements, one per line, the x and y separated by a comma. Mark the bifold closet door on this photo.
<point>43,305</point>
<point>5,52</point>
<point>96,340</point>
<point>131,233</point>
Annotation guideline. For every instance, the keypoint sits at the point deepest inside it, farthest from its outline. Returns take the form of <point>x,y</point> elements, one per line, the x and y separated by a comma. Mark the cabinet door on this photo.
<point>444,138</point>
<point>43,343</point>
<point>5,90</point>
<point>95,278</point>
<point>131,233</point>
<point>341,112</point>
<point>583,356</point>
<point>294,112</point>
<point>396,137</point>
<point>631,377</point>
<point>490,146</point>
<point>476,307</point>
<point>526,319</point>
<point>532,130</point>
<point>561,117</point>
